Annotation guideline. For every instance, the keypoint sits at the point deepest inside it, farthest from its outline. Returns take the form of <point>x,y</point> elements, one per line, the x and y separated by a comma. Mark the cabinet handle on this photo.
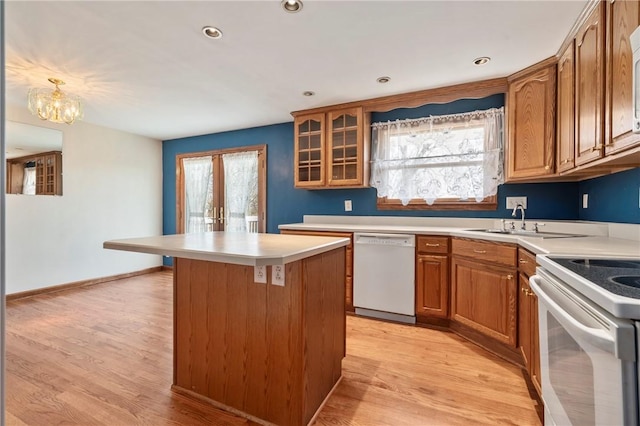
<point>596,148</point>
<point>509,277</point>
<point>479,251</point>
<point>524,290</point>
<point>527,292</point>
<point>547,167</point>
<point>568,160</point>
<point>431,245</point>
<point>523,261</point>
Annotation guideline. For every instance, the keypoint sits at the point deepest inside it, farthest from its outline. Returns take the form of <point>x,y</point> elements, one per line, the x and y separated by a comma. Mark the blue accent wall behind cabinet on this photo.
<point>612,198</point>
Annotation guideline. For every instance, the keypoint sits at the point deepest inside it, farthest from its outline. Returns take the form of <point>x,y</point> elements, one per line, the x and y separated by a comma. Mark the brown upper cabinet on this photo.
<point>309,151</point>
<point>332,149</point>
<point>589,87</point>
<point>565,147</point>
<point>46,170</point>
<point>532,116</point>
<point>623,17</point>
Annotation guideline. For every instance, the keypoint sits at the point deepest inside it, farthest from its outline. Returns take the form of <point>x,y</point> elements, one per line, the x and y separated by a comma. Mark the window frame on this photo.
<point>487,203</point>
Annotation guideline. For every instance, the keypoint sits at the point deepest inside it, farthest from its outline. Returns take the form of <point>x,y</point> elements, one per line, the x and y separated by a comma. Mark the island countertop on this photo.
<point>232,247</point>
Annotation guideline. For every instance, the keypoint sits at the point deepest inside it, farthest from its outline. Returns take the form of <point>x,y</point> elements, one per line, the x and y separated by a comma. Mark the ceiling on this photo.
<point>146,68</point>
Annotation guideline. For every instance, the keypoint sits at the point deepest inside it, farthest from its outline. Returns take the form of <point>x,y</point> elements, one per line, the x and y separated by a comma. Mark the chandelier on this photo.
<point>53,105</point>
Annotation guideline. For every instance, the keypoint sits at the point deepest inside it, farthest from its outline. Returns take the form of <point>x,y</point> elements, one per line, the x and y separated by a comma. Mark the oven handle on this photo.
<point>597,337</point>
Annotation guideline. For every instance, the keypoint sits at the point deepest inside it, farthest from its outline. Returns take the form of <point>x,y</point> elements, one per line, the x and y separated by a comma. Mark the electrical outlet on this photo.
<point>347,205</point>
<point>260,274</point>
<point>585,201</point>
<point>512,202</point>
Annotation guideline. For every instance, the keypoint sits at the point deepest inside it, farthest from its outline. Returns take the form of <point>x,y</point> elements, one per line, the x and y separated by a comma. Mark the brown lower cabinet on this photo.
<point>528,338</point>
<point>432,278</point>
<point>484,288</point>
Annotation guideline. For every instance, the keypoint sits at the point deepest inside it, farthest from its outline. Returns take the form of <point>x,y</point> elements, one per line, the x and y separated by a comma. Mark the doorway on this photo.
<point>222,190</point>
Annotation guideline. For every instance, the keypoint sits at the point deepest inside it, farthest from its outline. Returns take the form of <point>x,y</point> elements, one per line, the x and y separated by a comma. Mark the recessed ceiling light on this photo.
<point>291,6</point>
<point>212,32</point>
<point>481,60</point>
<point>383,80</point>
<point>308,93</point>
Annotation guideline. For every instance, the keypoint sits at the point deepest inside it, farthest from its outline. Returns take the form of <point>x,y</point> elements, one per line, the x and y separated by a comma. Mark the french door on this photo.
<point>223,190</point>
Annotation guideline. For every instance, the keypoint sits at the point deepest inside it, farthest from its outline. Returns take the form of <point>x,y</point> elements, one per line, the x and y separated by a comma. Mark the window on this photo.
<point>440,162</point>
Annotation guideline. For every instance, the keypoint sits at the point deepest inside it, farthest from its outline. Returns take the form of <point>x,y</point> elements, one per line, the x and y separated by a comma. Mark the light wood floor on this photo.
<point>102,355</point>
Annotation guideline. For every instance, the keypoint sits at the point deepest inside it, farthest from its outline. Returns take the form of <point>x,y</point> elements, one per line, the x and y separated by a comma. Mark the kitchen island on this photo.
<point>259,320</point>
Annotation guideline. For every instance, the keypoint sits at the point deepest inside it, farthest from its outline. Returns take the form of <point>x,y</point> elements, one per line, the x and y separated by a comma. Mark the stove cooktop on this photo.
<point>618,276</point>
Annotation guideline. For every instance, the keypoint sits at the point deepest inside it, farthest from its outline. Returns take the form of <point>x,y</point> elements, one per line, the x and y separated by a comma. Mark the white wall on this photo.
<point>112,188</point>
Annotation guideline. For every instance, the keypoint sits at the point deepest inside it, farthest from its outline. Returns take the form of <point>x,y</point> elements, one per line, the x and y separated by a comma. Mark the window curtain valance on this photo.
<point>458,156</point>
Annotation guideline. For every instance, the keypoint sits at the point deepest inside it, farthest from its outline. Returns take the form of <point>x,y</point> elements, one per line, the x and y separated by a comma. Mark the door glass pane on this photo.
<point>241,191</point>
<point>571,374</point>
<point>198,187</point>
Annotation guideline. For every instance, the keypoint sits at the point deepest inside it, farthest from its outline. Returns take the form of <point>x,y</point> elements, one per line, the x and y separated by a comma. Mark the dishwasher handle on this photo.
<point>402,240</point>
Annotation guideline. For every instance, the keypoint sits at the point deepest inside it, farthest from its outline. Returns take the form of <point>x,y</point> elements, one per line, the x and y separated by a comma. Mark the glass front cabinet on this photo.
<point>332,149</point>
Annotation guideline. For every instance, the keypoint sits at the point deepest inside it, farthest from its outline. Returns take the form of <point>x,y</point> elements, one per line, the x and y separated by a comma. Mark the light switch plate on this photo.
<point>585,201</point>
<point>277,275</point>
<point>512,202</point>
<point>260,274</point>
<point>347,205</point>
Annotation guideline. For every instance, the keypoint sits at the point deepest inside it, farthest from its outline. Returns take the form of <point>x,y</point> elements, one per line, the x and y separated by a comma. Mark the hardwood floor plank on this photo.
<point>103,355</point>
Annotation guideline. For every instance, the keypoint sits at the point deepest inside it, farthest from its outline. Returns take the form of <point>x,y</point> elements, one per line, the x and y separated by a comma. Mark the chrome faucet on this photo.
<point>513,214</point>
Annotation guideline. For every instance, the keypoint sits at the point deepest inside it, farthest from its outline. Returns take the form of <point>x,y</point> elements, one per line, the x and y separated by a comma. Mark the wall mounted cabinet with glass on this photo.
<point>34,159</point>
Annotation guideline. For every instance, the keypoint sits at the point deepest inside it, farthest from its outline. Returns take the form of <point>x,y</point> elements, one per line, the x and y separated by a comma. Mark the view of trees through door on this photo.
<point>222,190</point>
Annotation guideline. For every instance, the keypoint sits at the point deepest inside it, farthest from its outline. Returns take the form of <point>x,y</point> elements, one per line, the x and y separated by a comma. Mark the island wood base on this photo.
<point>272,352</point>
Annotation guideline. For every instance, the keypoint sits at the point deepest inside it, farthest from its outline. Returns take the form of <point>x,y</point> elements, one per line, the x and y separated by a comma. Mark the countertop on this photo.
<point>232,247</point>
<point>592,245</point>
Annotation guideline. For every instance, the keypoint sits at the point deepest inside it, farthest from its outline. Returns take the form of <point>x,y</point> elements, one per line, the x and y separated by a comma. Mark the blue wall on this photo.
<point>612,198</point>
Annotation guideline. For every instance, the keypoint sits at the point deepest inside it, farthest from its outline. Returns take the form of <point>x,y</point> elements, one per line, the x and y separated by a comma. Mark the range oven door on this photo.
<point>587,359</point>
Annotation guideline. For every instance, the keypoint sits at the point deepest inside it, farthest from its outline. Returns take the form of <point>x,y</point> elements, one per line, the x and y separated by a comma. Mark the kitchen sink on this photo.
<point>532,234</point>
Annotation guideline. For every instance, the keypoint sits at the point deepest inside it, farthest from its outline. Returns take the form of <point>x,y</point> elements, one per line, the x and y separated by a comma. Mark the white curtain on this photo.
<point>29,181</point>
<point>446,156</point>
<point>240,189</point>
<point>198,182</point>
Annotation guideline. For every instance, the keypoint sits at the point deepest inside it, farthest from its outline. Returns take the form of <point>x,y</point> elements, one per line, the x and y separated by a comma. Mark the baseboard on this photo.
<point>77,284</point>
<point>167,268</point>
<point>505,352</point>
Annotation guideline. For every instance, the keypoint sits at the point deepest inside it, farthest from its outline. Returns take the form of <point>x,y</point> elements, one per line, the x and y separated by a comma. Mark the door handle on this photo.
<point>221,214</point>
<point>215,215</point>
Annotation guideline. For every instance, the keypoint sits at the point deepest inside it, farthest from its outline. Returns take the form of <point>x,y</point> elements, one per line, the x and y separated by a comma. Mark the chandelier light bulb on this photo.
<point>55,106</point>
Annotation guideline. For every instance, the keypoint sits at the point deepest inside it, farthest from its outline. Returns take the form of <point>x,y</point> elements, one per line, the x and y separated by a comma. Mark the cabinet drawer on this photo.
<point>429,244</point>
<point>504,254</point>
<point>526,262</point>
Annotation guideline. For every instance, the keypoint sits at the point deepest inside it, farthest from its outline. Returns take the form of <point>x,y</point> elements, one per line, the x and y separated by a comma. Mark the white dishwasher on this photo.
<point>384,276</point>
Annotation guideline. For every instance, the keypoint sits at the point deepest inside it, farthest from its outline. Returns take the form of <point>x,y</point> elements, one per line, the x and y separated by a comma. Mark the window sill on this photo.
<point>489,203</point>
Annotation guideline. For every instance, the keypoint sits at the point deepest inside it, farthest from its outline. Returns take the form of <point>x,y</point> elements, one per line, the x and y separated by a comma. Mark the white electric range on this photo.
<point>589,322</point>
